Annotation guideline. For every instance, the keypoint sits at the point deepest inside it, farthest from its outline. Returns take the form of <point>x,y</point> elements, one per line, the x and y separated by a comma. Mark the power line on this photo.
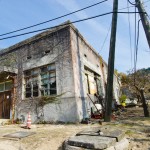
<point>130,33</point>
<point>65,24</point>
<point>55,26</point>
<point>135,37</point>
<point>134,4</point>
<point>54,18</point>
<point>125,7</point>
<point>131,2</point>
<point>110,28</point>
<point>106,37</point>
<point>137,42</point>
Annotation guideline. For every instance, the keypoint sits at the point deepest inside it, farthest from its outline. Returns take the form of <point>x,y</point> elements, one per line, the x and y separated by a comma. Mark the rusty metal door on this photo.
<point>5,105</point>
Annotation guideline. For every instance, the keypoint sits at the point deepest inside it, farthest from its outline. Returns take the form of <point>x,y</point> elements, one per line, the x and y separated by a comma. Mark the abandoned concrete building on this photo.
<point>55,63</point>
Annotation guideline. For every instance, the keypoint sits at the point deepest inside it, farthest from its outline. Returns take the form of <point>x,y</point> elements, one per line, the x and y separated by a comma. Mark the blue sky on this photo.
<point>16,14</point>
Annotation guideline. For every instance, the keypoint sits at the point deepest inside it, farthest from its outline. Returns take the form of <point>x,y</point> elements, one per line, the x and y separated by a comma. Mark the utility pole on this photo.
<point>109,88</point>
<point>145,22</point>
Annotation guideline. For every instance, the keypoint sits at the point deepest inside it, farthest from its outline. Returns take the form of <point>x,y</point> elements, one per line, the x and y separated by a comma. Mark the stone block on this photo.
<point>91,142</point>
<point>105,132</point>
<point>68,147</point>
<point>92,131</point>
<point>122,145</point>
<point>113,133</point>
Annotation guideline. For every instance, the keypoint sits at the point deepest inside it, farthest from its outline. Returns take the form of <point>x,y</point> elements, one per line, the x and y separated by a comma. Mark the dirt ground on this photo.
<point>51,137</point>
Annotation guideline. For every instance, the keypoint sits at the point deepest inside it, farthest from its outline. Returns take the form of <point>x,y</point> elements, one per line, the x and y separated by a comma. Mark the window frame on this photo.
<point>4,86</point>
<point>49,73</point>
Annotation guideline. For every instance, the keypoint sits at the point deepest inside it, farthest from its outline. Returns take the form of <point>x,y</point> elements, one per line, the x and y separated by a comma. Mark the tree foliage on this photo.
<point>139,80</point>
<point>138,83</point>
<point>122,98</point>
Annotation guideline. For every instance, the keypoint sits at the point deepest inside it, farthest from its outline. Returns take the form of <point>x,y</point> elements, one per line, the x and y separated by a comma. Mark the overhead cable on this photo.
<point>130,34</point>
<point>64,24</point>
<point>54,18</point>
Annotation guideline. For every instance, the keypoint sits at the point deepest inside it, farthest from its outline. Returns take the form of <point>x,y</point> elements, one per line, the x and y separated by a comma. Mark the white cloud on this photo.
<point>123,54</point>
<point>72,5</point>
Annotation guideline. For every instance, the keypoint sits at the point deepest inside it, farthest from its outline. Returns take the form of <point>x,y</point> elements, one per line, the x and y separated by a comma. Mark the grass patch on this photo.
<point>129,132</point>
<point>126,125</point>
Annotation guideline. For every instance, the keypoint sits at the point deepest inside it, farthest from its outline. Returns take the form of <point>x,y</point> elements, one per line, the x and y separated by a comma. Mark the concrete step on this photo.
<point>98,139</point>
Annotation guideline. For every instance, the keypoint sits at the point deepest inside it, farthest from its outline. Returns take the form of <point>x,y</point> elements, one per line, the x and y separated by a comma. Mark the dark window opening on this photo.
<point>29,57</point>
<point>35,90</point>
<point>85,55</point>
<point>41,81</point>
<point>87,84</point>
<point>28,91</point>
<point>48,51</point>
<point>53,88</point>
<point>27,73</point>
<point>44,69</point>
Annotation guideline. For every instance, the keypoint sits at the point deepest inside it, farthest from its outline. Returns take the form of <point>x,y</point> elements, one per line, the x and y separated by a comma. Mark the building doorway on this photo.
<point>5,105</point>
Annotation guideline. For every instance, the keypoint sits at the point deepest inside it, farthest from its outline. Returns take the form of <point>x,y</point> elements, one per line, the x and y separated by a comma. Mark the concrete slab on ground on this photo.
<point>113,133</point>
<point>105,132</point>
<point>20,134</point>
<point>121,145</point>
<point>98,139</point>
<point>92,132</point>
<point>91,142</point>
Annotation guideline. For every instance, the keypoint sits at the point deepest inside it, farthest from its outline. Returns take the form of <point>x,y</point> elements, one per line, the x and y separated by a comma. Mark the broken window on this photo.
<point>6,86</point>
<point>1,87</point>
<point>99,86</point>
<point>31,83</point>
<point>43,78</point>
<point>93,82</point>
<point>48,80</point>
<point>35,90</point>
<point>28,91</point>
<point>87,84</point>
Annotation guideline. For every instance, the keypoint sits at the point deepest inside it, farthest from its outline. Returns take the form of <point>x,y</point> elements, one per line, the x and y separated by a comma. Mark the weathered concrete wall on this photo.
<point>64,110</point>
<point>83,56</point>
<point>58,44</point>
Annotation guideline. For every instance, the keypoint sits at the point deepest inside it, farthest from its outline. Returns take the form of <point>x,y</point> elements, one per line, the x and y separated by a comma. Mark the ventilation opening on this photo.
<point>46,52</point>
<point>29,57</point>
<point>85,55</point>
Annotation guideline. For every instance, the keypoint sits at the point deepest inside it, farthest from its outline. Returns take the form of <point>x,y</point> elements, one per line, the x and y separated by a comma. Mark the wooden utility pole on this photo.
<point>109,88</point>
<point>145,22</point>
